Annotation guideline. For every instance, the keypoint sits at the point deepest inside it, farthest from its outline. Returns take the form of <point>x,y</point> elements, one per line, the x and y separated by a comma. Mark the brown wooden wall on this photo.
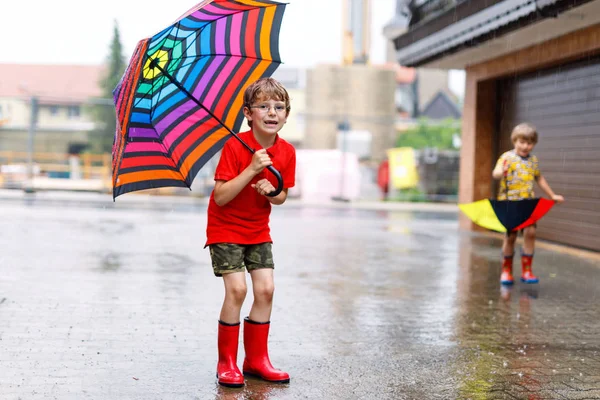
<point>564,104</point>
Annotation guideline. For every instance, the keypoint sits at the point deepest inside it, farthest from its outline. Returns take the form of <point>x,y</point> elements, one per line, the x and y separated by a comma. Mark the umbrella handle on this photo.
<point>279,181</point>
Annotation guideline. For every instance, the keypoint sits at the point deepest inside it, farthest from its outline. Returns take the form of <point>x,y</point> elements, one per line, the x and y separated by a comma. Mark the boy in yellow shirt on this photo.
<point>517,169</point>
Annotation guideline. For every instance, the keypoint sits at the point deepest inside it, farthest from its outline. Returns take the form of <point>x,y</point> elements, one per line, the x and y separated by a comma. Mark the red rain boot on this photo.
<point>228,373</point>
<point>506,278</point>
<point>526,274</point>
<point>256,362</point>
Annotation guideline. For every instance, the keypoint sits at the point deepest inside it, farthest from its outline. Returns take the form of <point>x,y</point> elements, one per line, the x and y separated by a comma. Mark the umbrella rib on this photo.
<point>145,95</point>
<point>167,150</point>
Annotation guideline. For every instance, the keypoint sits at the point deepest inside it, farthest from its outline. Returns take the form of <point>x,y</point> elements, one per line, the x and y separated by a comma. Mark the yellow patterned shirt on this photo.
<point>522,172</point>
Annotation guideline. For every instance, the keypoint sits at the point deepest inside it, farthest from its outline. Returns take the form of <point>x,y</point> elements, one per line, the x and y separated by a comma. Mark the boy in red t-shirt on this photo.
<point>238,230</point>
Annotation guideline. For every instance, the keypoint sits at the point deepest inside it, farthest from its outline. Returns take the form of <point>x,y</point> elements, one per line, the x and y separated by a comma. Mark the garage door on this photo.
<point>564,104</point>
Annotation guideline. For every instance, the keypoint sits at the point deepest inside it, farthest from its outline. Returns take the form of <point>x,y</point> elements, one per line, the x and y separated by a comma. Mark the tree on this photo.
<point>430,134</point>
<point>104,112</point>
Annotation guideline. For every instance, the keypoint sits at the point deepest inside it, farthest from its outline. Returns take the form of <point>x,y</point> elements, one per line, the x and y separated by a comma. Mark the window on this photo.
<point>53,110</point>
<point>73,112</point>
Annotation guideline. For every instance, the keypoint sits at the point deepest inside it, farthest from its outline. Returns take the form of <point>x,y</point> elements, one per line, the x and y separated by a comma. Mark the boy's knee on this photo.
<point>264,292</point>
<point>237,292</point>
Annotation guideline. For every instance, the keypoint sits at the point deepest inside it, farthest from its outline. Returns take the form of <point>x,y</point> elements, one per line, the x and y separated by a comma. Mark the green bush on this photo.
<point>430,134</point>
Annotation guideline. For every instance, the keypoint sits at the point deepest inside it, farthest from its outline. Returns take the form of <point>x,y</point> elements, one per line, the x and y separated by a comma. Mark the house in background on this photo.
<point>441,106</point>
<point>420,92</point>
<point>61,92</point>
<point>535,61</point>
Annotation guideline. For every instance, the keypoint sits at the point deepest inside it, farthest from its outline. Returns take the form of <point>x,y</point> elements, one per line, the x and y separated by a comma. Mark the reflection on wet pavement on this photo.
<point>119,302</point>
<point>529,341</point>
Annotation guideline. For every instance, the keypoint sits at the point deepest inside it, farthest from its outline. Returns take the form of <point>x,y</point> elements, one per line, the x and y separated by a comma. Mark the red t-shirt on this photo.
<point>245,219</point>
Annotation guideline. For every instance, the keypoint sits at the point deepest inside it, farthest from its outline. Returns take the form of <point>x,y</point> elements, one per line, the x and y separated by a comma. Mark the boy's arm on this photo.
<point>280,198</point>
<point>265,187</point>
<point>225,191</point>
<point>501,168</point>
<point>543,183</point>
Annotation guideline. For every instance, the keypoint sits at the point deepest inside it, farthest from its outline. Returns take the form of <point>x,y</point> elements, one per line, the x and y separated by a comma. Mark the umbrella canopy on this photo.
<point>182,93</point>
<point>506,215</point>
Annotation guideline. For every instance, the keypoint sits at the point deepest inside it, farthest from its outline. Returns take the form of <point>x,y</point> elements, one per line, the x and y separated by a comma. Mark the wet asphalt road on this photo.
<point>102,300</point>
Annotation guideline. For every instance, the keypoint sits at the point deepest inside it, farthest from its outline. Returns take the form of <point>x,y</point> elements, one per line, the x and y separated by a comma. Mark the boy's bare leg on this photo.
<point>529,240</point>
<point>527,275</point>
<point>263,287</point>
<point>508,246</point>
<point>235,293</point>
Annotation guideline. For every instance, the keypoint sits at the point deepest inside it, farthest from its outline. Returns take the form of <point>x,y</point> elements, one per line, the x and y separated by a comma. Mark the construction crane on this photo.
<point>357,28</point>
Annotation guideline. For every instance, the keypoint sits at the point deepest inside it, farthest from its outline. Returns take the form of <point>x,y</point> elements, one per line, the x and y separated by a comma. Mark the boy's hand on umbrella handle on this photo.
<point>263,187</point>
<point>558,198</point>
<point>260,160</point>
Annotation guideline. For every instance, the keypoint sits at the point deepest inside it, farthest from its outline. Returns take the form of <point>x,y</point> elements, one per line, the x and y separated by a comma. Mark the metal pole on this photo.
<point>28,187</point>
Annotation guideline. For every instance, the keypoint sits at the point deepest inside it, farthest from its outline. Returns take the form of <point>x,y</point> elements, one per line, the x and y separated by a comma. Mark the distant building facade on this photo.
<point>61,92</point>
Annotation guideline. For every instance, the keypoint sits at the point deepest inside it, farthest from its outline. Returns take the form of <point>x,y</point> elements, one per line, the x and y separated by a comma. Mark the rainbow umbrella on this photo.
<point>182,93</point>
<point>506,215</point>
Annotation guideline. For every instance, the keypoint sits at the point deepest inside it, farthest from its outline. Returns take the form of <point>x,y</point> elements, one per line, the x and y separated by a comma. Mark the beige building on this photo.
<point>361,95</point>
<point>60,91</point>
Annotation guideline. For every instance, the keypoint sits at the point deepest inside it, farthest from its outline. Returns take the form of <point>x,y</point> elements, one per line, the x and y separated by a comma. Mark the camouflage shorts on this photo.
<point>227,257</point>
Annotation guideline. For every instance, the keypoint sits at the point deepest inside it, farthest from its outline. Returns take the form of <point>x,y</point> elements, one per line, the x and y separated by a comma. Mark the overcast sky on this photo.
<point>76,32</point>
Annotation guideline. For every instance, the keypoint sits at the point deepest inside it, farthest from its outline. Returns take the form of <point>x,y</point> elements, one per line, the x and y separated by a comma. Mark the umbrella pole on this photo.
<point>154,64</point>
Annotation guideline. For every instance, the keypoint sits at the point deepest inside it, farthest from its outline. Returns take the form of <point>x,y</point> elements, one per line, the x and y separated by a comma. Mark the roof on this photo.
<point>63,83</point>
<point>441,107</point>
<point>470,24</point>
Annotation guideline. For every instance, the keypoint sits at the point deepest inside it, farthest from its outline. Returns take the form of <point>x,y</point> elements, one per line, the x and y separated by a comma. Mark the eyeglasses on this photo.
<point>264,108</point>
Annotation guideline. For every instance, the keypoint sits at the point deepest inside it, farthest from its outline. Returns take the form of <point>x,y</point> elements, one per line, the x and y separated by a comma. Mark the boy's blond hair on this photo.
<point>269,88</point>
<point>526,132</point>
